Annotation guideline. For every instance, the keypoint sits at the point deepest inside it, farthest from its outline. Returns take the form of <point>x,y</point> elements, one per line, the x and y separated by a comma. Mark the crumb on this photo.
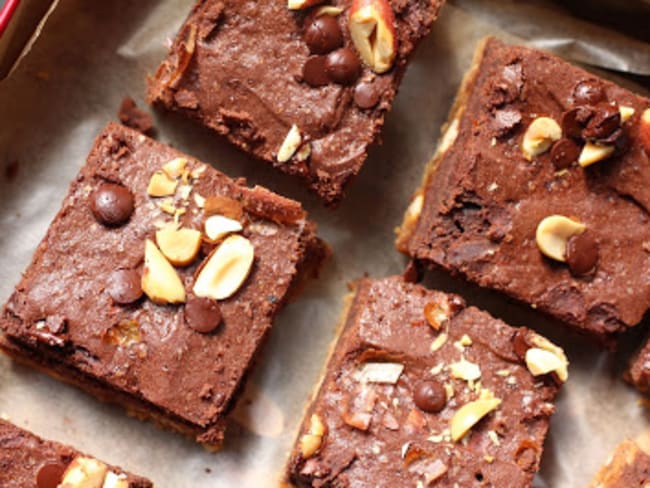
<point>131,116</point>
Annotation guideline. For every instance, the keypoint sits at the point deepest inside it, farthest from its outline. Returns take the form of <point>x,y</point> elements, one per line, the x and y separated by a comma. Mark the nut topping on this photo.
<point>541,362</point>
<point>290,144</point>
<point>465,370</point>
<point>175,168</point>
<point>544,344</point>
<point>539,136</point>
<point>217,227</point>
<point>437,314</point>
<point>311,442</point>
<point>372,28</point>
<point>552,235</point>
<point>84,472</point>
<point>592,153</point>
<point>300,4</point>
<point>226,269</point>
<point>180,246</point>
<point>160,282</point>
<point>161,185</point>
<point>469,414</point>
<point>626,113</point>
<point>113,480</point>
<point>387,373</point>
<point>329,10</point>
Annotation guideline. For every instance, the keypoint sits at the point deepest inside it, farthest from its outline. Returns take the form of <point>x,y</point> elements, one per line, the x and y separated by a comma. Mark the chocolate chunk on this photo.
<point>131,116</point>
<point>323,34</point>
<point>605,121</point>
<point>314,72</point>
<point>575,120</point>
<point>343,66</point>
<point>112,204</point>
<point>430,396</point>
<point>202,314</point>
<point>124,286</point>
<point>50,475</point>
<point>505,120</point>
<point>366,94</point>
<point>564,152</point>
<point>582,253</point>
<point>588,92</point>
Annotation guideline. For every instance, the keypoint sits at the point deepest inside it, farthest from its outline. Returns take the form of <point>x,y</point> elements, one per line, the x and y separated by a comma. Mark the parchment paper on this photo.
<point>91,54</point>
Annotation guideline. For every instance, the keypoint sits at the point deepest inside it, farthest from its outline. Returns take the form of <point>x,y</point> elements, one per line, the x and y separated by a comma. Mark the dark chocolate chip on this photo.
<point>323,34</point>
<point>582,253</point>
<point>575,120</point>
<point>430,396</point>
<point>202,314</point>
<point>588,92</point>
<point>505,120</point>
<point>124,286</point>
<point>314,72</point>
<point>564,152</point>
<point>605,121</point>
<point>342,66</point>
<point>50,475</point>
<point>366,95</point>
<point>112,204</point>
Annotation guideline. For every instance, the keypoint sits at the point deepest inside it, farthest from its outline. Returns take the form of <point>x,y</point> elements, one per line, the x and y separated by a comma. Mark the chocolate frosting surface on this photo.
<point>64,310</point>
<point>485,199</point>
<point>244,79</point>
<point>376,434</point>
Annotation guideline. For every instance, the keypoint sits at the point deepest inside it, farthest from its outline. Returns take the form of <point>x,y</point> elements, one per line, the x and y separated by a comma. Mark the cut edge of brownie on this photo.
<point>311,253</point>
<point>628,465</point>
<point>447,138</point>
<point>638,370</point>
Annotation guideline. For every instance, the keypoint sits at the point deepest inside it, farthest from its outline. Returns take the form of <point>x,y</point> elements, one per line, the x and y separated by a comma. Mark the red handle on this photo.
<point>6,12</point>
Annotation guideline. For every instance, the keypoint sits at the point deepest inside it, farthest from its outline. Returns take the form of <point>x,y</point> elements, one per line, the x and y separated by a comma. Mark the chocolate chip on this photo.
<point>588,92</point>
<point>112,204</point>
<point>314,73</point>
<point>564,152</point>
<point>505,120</point>
<point>202,314</point>
<point>605,121</point>
<point>582,253</point>
<point>342,66</point>
<point>430,396</point>
<point>323,34</point>
<point>124,286</point>
<point>366,95</point>
<point>575,120</point>
<point>50,475</point>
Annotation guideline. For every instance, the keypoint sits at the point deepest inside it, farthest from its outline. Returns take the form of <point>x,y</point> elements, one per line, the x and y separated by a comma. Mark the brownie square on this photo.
<point>251,71</point>
<point>216,261</point>
<point>421,390</point>
<point>26,460</point>
<point>541,158</point>
<point>628,466</point>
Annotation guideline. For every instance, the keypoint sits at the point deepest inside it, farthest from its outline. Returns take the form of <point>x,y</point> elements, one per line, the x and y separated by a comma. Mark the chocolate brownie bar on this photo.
<point>157,282</point>
<point>26,460</point>
<point>421,389</point>
<point>303,85</point>
<point>539,189</point>
<point>628,467</point>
